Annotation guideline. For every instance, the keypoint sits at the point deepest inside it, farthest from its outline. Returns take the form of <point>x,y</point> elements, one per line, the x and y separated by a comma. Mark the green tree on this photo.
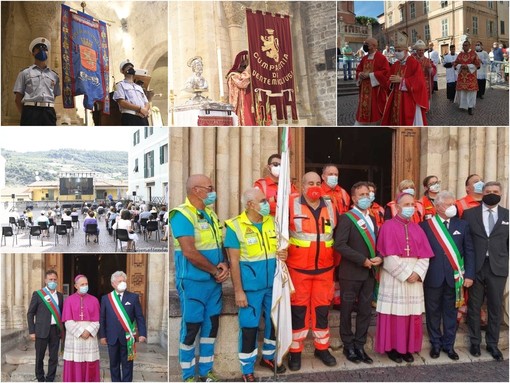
<point>366,20</point>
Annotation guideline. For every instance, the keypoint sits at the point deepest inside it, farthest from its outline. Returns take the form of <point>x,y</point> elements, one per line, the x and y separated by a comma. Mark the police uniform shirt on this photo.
<point>131,92</point>
<point>37,85</point>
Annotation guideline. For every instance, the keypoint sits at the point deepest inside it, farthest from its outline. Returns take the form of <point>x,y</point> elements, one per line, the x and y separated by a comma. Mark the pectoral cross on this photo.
<point>407,249</point>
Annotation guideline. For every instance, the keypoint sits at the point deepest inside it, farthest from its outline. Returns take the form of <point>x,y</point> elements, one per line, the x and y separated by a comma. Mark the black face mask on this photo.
<point>491,199</point>
<point>365,47</point>
<point>131,71</point>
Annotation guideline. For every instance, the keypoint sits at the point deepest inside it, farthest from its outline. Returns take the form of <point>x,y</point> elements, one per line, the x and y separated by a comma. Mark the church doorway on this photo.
<point>98,269</point>
<point>361,154</point>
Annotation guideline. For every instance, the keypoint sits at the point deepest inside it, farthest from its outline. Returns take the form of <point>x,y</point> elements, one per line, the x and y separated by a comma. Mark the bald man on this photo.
<point>372,75</point>
<point>200,269</point>
<point>311,264</point>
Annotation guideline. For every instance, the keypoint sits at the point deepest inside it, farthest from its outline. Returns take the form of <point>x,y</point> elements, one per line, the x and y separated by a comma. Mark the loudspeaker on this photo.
<point>47,195</point>
<point>13,195</point>
<point>105,194</point>
<point>134,194</point>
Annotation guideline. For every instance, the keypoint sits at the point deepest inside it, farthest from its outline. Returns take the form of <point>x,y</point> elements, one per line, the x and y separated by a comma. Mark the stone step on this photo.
<point>151,363</point>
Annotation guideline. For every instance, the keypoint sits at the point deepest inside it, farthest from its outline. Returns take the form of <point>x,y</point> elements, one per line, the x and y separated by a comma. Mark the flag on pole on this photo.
<point>282,285</point>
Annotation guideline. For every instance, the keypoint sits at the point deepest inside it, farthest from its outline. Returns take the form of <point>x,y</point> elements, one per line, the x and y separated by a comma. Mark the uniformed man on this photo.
<point>200,269</point>
<point>251,244</point>
<point>133,104</point>
<point>36,87</point>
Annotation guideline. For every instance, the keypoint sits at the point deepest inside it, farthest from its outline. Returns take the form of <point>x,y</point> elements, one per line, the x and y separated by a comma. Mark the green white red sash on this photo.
<point>51,305</point>
<point>445,239</point>
<point>366,232</point>
<point>127,325</point>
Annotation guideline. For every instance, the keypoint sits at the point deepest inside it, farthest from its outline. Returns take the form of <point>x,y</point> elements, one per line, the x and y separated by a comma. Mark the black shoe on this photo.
<point>452,354</point>
<point>326,357</point>
<point>474,350</point>
<point>270,365</point>
<point>350,78</point>
<point>434,352</point>
<point>363,356</point>
<point>351,355</point>
<point>408,357</point>
<point>495,353</point>
<point>394,356</point>
<point>345,79</point>
<point>481,96</point>
<point>470,111</point>
<point>294,361</point>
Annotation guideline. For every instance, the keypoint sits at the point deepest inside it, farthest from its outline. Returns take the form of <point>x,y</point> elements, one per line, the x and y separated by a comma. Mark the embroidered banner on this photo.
<point>85,62</point>
<point>272,73</point>
<point>215,121</point>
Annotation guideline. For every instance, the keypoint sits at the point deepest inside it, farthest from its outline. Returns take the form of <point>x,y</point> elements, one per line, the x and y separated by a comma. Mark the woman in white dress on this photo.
<point>125,223</point>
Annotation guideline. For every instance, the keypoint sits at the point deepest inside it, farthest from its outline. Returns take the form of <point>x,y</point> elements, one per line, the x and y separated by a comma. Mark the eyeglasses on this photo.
<point>276,164</point>
<point>209,188</point>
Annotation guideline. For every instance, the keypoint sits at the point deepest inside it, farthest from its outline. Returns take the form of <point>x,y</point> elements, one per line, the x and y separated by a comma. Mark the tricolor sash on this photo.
<point>365,230</point>
<point>51,305</point>
<point>126,323</point>
<point>445,239</point>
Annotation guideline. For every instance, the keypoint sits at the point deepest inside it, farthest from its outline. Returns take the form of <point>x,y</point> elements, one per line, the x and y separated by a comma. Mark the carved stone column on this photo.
<point>4,308</point>
<point>179,164</point>
<point>235,14</point>
<point>491,154</point>
<point>224,167</point>
<point>18,312</point>
<point>476,151</point>
<point>463,169</point>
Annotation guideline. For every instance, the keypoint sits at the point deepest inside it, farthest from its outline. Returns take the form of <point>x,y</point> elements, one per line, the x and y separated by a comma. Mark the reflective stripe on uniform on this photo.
<point>188,364</point>
<point>207,340</point>
<point>206,359</point>
<point>246,355</point>
<point>185,347</point>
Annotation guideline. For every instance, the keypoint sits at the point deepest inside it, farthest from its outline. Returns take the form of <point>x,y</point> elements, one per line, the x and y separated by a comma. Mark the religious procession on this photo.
<point>417,66</point>
<point>297,252</point>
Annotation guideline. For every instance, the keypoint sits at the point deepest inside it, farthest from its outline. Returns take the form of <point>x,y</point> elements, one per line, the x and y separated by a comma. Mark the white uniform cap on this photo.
<point>123,63</point>
<point>39,40</point>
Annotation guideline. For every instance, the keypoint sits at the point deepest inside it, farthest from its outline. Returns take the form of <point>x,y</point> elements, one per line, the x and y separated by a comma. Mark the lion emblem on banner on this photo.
<point>271,45</point>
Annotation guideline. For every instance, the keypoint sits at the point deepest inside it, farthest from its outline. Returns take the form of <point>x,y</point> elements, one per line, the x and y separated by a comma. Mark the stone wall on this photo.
<point>319,34</point>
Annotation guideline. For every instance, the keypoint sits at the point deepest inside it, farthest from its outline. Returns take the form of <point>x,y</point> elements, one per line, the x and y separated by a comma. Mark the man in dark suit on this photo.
<point>489,229</point>
<point>355,240</point>
<point>119,311</point>
<point>45,325</point>
<point>443,292</point>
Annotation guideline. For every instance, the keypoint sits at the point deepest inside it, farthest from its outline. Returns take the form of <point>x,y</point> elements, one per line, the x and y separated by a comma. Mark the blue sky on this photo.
<point>368,8</point>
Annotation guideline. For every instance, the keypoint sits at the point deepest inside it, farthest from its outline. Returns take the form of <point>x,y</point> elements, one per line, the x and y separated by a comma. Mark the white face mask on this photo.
<point>122,286</point>
<point>451,211</point>
<point>275,171</point>
<point>436,188</point>
<point>399,55</point>
<point>408,191</point>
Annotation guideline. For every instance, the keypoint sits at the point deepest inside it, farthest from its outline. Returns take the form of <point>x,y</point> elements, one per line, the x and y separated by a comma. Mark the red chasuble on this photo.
<point>429,71</point>
<point>467,80</point>
<point>371,100</point>
<point>401,105</point>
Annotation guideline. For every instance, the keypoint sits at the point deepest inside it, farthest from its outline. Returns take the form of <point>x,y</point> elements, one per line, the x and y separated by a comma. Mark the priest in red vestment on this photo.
<point>408,100</point>
<point>466,64</point>
<point>239,90</point>
<point>427,66</point>
<point>372,75</point>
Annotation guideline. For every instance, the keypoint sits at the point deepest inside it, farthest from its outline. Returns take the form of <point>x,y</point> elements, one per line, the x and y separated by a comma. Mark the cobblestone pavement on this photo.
<point>472,372</point>
<point>77,241</point>
<point>491,110</point>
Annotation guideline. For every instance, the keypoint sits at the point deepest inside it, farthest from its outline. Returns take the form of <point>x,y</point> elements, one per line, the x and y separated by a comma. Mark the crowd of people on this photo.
<point>397,84</point>
<point>79,321</point>
<point>433,254</point>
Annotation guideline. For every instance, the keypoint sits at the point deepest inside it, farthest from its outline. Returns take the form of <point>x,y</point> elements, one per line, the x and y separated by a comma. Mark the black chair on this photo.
<point>22,224</point>
<point>12,222</point>
<point>74,219</point>
<point>143,225</point>
<point>122,235</point>
<point>51,223</point>
<point>91,229</point>
<point>35,231</point>
<point>7,231</point>
<point>69,226</point>
<point>62,230</point>
<point>152,226</point>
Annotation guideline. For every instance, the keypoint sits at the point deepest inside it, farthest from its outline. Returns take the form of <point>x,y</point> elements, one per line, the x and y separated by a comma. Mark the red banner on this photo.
<point>272,73</point>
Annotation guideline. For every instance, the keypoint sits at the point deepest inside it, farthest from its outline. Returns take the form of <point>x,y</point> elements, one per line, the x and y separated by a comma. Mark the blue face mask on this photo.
<point>478,187</point>
<point>364,203</point>
<point>332,181</point>
<point>264,208</point>
<point>52,285</point>
<point>210,199</point>
<point>408,211</point>
<point>84,289</point>
<point>408,191</point>
<point>41,55</point>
